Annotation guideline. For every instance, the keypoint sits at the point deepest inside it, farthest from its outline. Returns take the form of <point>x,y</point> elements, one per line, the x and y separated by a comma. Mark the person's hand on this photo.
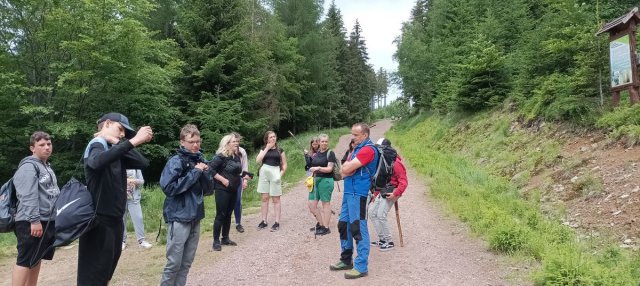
<point>201,166</point>
<point>144,135</point>
<point>270,145</point>
<point>36,229</point>
<point>113,140</point>
<point>245,184</point>
<point>391,197</point>
<point>313,169</point>
<point>306,151</point>
<point>225,182</point>
<point>281,173</point>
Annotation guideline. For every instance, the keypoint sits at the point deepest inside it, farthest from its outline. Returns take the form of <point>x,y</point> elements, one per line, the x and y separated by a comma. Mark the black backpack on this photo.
<point>384,170</point>
<point>75,210</point>
<point>9,203</point>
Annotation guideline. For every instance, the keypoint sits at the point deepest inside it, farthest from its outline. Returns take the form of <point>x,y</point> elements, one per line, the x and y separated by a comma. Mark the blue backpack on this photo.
<point>9,203</point>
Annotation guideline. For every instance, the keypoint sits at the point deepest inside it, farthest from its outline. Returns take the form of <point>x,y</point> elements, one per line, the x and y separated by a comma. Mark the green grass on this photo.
<point>470,163</point>
<point>153,197</point>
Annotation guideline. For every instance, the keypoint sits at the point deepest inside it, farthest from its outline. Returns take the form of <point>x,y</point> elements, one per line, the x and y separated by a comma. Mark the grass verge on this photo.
<point>471,164</point>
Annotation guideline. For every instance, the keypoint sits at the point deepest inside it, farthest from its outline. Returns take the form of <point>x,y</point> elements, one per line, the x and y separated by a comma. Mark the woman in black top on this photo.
<point>274,164</point>
<point>227,169</point>
<point>348,152</point>
<point>314,145</point>
<point>322,169</point>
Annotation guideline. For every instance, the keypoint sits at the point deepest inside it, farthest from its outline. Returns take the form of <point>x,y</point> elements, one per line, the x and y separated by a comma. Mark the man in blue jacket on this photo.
<point>357,172</point>
<point>184,180</point>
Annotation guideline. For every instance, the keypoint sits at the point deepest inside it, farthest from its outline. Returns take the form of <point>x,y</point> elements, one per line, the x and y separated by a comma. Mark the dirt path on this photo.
<point>437,250</point>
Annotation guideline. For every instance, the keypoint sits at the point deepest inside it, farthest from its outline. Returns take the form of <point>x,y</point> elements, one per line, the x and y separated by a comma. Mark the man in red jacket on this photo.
<point>382,203</point>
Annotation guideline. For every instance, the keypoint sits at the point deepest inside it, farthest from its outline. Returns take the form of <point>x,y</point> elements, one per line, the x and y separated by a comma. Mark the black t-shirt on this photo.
<point>272,158</point>
<point>321,159</point>
<point>228,167</point>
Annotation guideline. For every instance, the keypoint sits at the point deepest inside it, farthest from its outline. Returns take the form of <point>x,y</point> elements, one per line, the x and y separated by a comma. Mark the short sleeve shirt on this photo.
<point>366,155</point>
<point>321,159</point>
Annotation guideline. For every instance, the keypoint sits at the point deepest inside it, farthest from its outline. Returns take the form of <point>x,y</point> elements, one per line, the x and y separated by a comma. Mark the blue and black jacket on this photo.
<point>184,186</point>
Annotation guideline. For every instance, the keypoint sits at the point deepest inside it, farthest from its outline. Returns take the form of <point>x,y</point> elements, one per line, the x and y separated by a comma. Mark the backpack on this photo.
<point>75,210</point>
<point>9,203</point>
<point>337,166</point>
<point>384,170</point>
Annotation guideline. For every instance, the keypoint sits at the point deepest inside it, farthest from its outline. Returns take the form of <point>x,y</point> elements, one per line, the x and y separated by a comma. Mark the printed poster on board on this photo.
<point>620,55</point>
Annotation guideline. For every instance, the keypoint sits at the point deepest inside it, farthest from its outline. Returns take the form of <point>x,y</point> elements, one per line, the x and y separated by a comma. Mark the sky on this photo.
<point>381,23</point>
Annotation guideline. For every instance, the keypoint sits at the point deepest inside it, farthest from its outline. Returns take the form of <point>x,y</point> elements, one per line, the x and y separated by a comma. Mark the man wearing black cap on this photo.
<point>105,170</point>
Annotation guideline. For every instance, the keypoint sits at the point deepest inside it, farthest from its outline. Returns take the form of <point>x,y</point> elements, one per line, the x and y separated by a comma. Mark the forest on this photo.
<point>225,65</point>
<point>540,58</point>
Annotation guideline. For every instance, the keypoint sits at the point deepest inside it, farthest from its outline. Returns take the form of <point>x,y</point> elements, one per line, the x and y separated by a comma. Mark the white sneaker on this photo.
<point>124,245</point>
<point>146,245</point>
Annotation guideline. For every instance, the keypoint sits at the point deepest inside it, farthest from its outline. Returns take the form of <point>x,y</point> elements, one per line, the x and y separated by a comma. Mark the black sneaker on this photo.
<point>387,246</point>
<point>239,228</point>
<point>262,225</point>
<point>226,241</point>
<point>315,228</point>
<point>378,243</point>
<point>323,230</point>
<point>275,227</point>
<point>217,246</point>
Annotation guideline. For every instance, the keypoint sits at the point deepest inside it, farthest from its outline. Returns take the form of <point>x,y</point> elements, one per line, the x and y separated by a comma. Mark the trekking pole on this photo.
<point>398,221</point>
<point>296,139</point>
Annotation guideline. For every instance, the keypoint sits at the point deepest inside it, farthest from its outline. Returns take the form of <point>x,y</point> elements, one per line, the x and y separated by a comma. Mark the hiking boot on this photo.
<point>323,230</point>
<point>239,228</point>
<point>275,227</point>
<point>387,246</point>
<point>262,225</point>
<point>216,245</point>
<point>340,266</point>
<point>315,228</point>
<point>354,274</point>
<point>226,241</point>
<point>378,243</point>
<point>145,244</point>
<point>124,245</point>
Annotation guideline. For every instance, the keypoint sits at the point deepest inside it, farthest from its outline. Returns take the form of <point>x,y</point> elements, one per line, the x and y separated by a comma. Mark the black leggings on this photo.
<point>225,201</point>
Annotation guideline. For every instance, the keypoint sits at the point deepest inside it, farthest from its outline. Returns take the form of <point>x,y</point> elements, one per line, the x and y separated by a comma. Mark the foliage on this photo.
<point>469,161</point>
<point>225,65</point>
<point>541,55</point>
<point>396,110</point>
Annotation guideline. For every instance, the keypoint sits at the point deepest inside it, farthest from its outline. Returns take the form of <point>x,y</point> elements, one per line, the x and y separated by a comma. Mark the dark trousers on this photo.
<point>99,251</point>
<point>225,201</point>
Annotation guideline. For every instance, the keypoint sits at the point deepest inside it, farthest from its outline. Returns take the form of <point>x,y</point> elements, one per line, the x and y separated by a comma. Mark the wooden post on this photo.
<point>634,96</point>
<point>615,97</point>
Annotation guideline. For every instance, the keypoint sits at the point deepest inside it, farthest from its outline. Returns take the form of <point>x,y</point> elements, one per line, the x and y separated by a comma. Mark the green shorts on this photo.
<point>322,189</point>
<point>269,181</point>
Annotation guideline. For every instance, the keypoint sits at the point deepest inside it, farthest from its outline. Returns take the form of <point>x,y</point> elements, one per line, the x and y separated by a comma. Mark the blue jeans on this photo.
<point>237,209</point>
<point>352,225</point>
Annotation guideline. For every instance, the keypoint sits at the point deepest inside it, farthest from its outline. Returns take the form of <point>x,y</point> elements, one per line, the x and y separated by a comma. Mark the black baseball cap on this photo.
<point>123,120</point>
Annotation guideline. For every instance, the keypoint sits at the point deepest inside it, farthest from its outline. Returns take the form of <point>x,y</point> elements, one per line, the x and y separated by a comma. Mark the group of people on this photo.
<point>114,179</point>
<point>37,190</point>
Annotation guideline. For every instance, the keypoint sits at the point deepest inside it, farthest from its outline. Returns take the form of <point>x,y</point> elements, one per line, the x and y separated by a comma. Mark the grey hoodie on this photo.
<point>36,194</point>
